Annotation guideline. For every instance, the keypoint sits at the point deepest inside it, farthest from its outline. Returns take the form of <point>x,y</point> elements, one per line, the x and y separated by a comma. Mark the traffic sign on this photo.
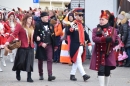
<point>35,1</point>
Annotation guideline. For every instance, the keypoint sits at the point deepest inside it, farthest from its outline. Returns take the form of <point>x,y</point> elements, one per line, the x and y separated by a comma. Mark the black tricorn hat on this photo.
<point>78,10</point>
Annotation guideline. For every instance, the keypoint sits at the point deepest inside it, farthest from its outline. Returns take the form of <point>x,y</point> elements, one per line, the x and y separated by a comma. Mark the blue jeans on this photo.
<point>128,53</point>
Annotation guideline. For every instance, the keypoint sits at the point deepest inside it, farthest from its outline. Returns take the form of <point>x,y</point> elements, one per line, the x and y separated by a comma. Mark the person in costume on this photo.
<point>4,14</point>
<point>78,40</point>
<point>11,22</point>
<point>20,14</point>
<point>4,33</point>
<point>44,37</point>
<point>103,60</point>
<point>24,58</point>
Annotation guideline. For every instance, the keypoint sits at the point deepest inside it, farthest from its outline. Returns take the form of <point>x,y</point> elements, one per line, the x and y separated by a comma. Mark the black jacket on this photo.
<point>40,52</point>
<point>126,35</point>
<point>74,37</point>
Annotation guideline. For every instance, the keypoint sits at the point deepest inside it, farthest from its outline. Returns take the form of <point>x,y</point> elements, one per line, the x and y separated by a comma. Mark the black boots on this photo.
<point>50,78</point>
<point>86,77</point>
<point>72,77</point>
<point>127,64</point>
<point>41,77</point>
<point>18,77</point>
<point>29,79</point>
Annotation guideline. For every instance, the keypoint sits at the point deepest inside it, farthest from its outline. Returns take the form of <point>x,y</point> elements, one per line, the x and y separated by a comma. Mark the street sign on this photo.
<point>35,1</point>
<point>75,3</point>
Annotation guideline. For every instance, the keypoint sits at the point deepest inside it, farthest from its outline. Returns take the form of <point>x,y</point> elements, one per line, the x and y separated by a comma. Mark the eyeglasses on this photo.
<point>81,15</point>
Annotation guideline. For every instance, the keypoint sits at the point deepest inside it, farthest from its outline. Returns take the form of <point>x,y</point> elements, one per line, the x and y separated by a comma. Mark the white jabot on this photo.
<point>46,27</point>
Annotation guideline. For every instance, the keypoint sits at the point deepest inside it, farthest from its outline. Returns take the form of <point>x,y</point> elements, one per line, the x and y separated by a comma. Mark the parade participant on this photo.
<point>111,20</point>
<point>20,14</point>
<point>4,32</point>
<point>44,37</point>
<point>79,38</point>
<point>4,14</point>
<point>16,15</point>
<point>30,10</point>
<point>24,58</point>
<point>102,61</point>
<point>11,22</point>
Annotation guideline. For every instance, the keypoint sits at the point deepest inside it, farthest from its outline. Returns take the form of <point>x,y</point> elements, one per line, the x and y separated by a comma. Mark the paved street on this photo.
<point>119,77</point>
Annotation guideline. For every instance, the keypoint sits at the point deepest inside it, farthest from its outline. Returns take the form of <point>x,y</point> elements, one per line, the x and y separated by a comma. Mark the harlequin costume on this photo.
<point>100,60</point>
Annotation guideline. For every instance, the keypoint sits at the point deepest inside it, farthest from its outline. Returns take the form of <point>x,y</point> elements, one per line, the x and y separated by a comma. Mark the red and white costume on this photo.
<point>12,23</point>
<point>4,33</point>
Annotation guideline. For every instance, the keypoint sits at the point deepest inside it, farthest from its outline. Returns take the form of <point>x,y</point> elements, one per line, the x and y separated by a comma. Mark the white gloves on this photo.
<point>90,48</point>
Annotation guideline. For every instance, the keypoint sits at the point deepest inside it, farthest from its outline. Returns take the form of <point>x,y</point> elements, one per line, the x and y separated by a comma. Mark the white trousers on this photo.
<point>78,63</point>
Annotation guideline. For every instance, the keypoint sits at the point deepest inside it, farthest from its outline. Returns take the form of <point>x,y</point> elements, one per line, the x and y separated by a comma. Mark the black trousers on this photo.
<point>104,70</point>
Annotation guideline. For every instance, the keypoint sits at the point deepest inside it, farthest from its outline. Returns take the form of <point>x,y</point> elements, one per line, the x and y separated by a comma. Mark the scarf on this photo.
<point>103,26</point>
<point>81,31</point>
<point>45,23</point>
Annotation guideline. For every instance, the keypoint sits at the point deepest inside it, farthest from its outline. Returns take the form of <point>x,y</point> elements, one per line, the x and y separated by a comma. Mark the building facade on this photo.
<point>53,4</point>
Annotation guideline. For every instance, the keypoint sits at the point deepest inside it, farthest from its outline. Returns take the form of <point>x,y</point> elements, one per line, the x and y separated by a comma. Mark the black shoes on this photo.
<point>41,78</point>
<point>18,77</point>
<point>50,78</point>
<point>72,77</point>
<point>86,77</point>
